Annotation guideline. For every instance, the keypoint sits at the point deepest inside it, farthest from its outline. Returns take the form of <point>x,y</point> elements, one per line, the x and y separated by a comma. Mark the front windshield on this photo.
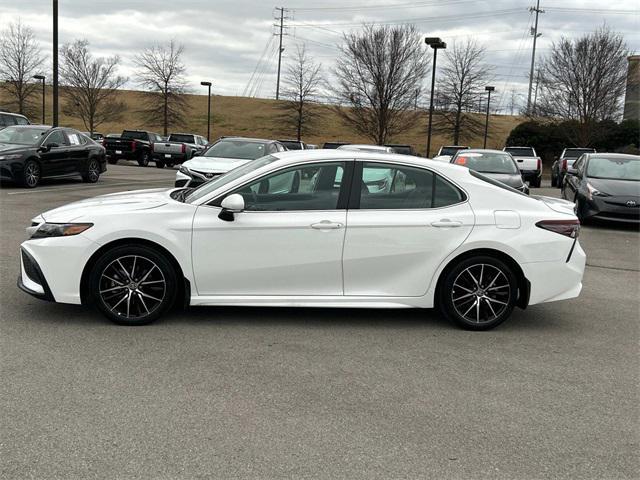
<point>487,162</point>
<point>22,135</point>
<point>241,149</point>
<point>234,174</point>
<point>614,168</point>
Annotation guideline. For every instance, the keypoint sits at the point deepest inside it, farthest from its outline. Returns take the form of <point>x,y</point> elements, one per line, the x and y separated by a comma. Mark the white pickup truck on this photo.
<point>529,163</point>
<point>178,148</point>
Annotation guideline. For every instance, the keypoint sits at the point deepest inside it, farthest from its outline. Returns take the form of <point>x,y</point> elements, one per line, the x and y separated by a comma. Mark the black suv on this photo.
<point>29,153</point>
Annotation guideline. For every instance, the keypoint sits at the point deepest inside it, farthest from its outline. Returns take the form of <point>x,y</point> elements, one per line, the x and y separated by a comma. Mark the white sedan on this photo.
<point>303,229</point>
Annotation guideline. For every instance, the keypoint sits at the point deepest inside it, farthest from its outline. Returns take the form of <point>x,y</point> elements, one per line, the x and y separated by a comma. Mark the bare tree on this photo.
<point>584,80</point>
<point>301,83</point>
<point>162,73</point>
<point>92,85</point>
<point>20,59</point>
<point>463,78</point>
<point>378,74</point>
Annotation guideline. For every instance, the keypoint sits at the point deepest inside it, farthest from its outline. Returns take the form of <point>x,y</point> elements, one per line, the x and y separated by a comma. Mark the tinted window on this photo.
<point>56,138</point>
<point>576,152</point>
<point>132,134</point>
<point>445,193</point>
<point>520,151</point>
<point>451,150</point>
<point>487,162</point>
<point>74,138</point>
<point>21,121</point>
<point>6,120</point>
<point>181,138</point>
<point>308,187</point>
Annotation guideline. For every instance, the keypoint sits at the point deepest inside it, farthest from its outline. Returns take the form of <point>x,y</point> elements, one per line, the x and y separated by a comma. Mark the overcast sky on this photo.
<point>225,40</point>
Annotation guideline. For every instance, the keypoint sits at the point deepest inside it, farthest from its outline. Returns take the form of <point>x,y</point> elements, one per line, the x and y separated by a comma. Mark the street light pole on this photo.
<point>208,84</point>
<point>41,77</point>
<point>486,123</point>
<point>55,63</point>
<point>435,43</point>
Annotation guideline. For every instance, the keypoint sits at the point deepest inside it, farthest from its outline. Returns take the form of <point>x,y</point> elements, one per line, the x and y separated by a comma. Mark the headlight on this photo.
<point>13,156</point>
<point>184,170</point>
<point>60,229</point>
<point>594,192</point>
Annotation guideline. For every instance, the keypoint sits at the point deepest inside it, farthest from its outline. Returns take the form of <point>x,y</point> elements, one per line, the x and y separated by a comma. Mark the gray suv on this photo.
<point>8,119</point>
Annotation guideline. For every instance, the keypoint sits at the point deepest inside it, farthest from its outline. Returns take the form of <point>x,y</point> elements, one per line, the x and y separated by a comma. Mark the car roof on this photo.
<point>381,148</point>
<point>484,150</point>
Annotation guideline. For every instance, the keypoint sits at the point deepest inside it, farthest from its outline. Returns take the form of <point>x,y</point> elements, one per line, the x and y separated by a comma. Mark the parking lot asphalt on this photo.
<point>311,393</point>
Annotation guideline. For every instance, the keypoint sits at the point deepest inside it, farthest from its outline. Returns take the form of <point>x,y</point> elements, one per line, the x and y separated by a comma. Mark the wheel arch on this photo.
<point>524,286</point>
<point>184,287</point>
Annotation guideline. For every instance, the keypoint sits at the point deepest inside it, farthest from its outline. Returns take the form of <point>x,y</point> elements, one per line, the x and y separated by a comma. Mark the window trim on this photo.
<point>343,196</point>
<point>354,197</point>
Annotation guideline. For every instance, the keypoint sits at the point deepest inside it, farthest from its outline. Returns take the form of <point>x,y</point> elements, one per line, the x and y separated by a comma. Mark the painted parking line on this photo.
<point>77,188</point>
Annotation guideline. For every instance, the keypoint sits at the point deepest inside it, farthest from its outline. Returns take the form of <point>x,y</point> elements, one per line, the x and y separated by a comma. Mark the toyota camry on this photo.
<point>303,229</point>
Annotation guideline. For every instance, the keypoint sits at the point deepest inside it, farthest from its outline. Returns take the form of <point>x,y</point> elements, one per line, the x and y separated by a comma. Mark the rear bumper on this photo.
<point>170,157</point>
<point>528,175</point>
<point>123,155</point>
<point>556,280</point>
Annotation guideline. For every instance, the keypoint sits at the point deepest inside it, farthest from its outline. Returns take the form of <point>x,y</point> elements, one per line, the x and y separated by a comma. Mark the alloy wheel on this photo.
<point>481,293</point>
<point>132,286</point>
<point>32,174</point>
<point>94,171</point>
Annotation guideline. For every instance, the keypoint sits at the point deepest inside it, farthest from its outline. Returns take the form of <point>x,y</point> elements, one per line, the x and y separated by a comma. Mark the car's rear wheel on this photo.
<point>93,171</point>
<point>31,174</point>
<point>160,163</point>
<point>536,182</point>
<point>133,284</point>
<point>479,293</point>
<point>143,159</point>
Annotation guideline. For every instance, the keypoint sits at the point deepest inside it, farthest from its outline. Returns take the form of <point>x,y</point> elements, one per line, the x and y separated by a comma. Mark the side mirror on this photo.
<point>234,203</point>
<point>47,147</point>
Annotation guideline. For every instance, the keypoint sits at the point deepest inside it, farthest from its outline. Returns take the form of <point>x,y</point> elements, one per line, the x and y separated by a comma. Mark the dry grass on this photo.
<point>260,118</point>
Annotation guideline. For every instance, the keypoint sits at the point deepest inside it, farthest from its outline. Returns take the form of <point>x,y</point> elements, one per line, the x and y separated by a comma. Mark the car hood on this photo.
<point>214,164</point>
<point>12,148</point>
<point>621,188</point>
<point>512,179</point>
<point>113,203</point>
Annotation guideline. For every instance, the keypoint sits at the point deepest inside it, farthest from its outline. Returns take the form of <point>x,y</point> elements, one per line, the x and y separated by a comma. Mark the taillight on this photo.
<point>539,164</point>
<point>184,148</point>
<point>564,164</point>
<point>568,228</point>
<point>133,146</point>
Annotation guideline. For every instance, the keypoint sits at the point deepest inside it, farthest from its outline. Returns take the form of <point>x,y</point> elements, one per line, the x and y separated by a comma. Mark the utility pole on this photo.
<point>280,50</point>
<point>488,89</point>
<point>55,63</point>
<point>535,94</point>
<point>534,32</point>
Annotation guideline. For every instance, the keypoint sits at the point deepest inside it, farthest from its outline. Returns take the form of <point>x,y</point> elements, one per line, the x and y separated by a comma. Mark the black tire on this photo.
<point>92,175</point>
<point>479,279</point>
<point>159,163</point>
<point>143,159</point>
<point>170,164</point>
<point>146,277</point>
<point>536,182</point>
<point>112,161</point>
<point>554,181</point>
<point>31,174</point>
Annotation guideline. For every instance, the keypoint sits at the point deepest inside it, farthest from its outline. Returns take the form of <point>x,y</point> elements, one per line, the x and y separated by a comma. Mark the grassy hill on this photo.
<point>259,118</point>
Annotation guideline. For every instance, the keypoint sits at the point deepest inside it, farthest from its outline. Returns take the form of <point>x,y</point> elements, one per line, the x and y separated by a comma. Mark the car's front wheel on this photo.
<point>479,293</point>
<point>133,284</point>
<point>31,174</point>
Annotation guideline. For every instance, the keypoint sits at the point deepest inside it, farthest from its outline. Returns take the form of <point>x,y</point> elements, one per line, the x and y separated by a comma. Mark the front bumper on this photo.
<point>31,279</point>
<point>611,209</point>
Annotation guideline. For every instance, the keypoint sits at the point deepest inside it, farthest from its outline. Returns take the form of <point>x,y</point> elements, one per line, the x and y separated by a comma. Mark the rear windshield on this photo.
<point>451,150</point>
<point>495,183</point>
<point>291,145</point>
<point>135,135</point>
<point>576,152</point>
<point>174,137</point>
<point>520,151</point>
<point>490,162</point>
<point>240,149</point>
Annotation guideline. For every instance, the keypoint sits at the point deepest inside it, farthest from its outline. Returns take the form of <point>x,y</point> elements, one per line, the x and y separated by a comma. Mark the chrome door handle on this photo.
<point>446,223</point>
<point>326,225</point>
